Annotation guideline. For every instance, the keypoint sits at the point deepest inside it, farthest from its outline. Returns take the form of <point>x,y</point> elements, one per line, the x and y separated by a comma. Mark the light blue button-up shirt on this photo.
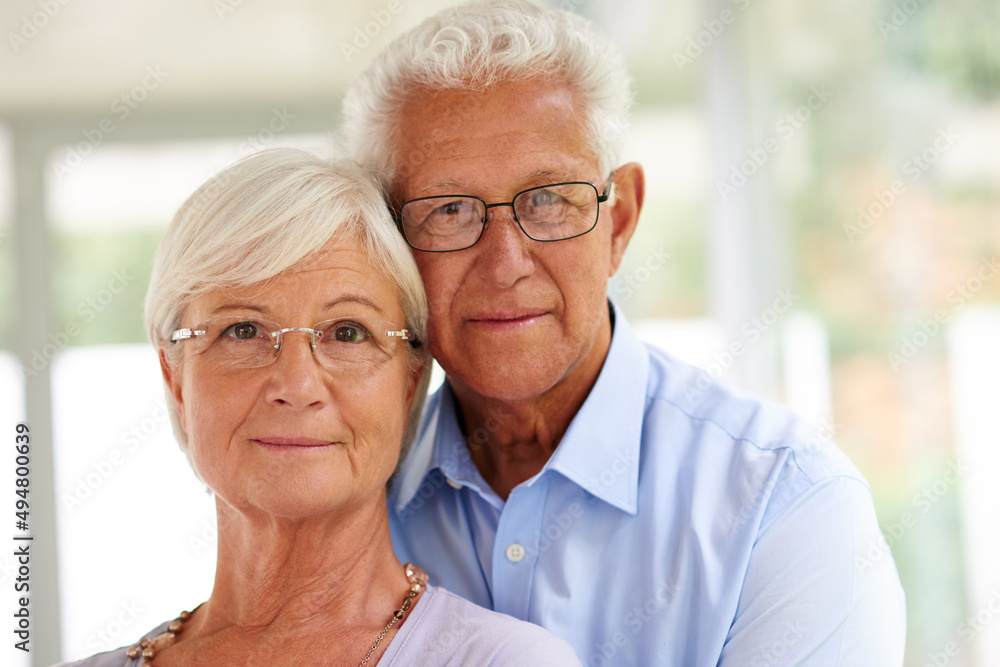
<point>677,523</point>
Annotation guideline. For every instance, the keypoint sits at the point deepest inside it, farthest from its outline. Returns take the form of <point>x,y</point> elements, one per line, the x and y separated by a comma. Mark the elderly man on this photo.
<point>566,473</point>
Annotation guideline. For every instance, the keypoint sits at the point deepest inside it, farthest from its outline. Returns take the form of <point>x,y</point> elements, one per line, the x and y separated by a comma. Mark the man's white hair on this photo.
<point>473,47</point>
<point>263,216</point>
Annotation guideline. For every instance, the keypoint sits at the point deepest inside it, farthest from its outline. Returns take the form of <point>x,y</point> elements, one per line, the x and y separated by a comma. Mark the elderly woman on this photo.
<point>290,322</point>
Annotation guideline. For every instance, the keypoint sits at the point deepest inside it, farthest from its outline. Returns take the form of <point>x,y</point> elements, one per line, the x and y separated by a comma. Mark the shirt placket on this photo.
<point>516,549</point>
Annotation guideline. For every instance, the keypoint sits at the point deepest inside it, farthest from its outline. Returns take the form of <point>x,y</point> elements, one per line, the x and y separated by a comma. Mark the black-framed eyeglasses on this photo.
<point>556,212</point>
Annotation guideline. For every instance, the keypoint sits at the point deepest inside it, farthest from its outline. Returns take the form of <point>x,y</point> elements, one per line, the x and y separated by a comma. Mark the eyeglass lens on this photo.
<point>242,342</point>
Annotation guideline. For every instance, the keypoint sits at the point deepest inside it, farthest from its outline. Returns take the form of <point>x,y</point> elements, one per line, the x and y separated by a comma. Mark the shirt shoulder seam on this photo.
<point>753,443</point>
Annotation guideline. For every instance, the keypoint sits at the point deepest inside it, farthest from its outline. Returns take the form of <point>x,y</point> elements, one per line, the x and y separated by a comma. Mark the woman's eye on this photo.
<point>244,330</point>
<point>350,333</point>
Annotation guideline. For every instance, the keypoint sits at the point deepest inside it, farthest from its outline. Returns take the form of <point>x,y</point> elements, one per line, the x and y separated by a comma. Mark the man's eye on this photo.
<point>540,198</point>
<point>456,211</point>
<point>451,208</point>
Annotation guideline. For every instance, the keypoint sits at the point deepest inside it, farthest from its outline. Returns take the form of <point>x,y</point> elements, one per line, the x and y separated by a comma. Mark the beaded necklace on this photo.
<point>147,648</point>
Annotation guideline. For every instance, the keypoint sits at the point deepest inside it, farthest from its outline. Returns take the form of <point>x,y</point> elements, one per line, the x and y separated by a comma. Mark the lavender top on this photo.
<point>443,629</point>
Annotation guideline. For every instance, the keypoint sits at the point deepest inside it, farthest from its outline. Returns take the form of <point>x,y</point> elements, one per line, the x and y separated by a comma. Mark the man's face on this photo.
<point>510,318</point>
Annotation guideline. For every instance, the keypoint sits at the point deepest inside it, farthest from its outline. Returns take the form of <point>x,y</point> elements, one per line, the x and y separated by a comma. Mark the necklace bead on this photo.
<point>418,581</point>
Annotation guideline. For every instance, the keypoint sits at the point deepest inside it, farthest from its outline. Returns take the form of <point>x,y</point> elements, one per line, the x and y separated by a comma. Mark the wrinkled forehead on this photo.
<point>511,133</point>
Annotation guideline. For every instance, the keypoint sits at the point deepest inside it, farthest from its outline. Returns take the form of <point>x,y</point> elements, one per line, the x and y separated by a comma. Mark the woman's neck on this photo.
<point>298,576</point>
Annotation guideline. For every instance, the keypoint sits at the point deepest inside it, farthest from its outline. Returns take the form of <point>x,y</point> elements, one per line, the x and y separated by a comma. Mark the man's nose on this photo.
<point>505,256</point>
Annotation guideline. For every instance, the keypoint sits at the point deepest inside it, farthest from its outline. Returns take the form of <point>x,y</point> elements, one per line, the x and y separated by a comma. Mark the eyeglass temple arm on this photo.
<point>182,334</point>
<point>604,196</point>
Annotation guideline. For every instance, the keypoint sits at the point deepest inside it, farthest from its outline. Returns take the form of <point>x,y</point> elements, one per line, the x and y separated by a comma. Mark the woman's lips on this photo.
<point>285,441</point>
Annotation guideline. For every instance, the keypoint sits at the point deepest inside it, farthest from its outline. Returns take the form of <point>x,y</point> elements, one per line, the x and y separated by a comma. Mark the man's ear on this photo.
<point>629,190</point>
<point>172,381</point>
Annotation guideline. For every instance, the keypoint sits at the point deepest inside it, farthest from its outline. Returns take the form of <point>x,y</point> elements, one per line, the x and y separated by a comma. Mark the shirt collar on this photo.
<point>420,459</point>
<point>440,445</point>
<point>599,451</point>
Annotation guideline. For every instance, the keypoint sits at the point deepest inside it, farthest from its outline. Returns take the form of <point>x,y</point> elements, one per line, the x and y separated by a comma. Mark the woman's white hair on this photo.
<point>264,215</point>
<point>473,47</point>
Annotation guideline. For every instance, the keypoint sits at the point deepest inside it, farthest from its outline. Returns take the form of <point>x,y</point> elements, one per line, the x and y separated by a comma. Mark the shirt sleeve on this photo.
<point>821,586</point>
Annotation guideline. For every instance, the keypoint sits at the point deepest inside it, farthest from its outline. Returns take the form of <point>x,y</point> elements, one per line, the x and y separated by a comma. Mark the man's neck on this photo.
<point>510,441</point>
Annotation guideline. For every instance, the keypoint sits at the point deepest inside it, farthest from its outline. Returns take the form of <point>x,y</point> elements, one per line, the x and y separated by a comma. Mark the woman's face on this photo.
<point>296,438</point>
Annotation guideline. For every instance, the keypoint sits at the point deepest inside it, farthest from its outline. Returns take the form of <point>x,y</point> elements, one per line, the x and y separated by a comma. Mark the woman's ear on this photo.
<point>172,381</point>
<point>413,377</point>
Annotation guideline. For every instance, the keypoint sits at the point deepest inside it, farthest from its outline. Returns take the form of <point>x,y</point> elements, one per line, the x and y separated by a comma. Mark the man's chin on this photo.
<point>510,378</point>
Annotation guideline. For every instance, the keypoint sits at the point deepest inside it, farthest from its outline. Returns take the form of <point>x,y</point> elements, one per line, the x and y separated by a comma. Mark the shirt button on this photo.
<point>515,553</point>
<point>452,483</point>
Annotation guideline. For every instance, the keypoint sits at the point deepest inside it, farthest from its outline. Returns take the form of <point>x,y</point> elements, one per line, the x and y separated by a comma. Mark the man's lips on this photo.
<point>505,317</point>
